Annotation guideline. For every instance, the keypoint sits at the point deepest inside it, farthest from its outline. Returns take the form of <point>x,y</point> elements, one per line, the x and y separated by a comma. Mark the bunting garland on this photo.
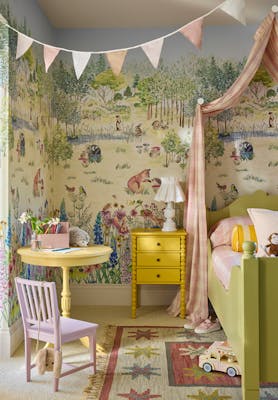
<point>193,31</point>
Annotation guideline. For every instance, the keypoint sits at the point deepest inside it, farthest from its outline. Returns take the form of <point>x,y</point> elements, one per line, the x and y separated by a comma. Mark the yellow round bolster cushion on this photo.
<point>240,234</point>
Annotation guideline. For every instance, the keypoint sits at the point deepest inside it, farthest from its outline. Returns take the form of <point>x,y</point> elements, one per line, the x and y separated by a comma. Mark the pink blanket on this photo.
<point>223,259</point>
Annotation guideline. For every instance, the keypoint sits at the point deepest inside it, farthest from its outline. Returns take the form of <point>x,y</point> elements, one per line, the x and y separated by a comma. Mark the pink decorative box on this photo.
<point>53,240</point>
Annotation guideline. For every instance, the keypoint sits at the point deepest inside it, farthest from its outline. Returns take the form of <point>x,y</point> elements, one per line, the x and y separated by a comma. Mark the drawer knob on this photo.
<point>158,275</point>
<point>158,244</point>
<point>158,259</point>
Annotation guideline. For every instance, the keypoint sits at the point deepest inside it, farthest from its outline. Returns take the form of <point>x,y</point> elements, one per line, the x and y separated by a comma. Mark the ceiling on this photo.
<point>78,14</point>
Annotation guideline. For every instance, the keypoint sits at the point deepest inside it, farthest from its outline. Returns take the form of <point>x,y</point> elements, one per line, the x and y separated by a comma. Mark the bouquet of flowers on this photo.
<point>40,226</point>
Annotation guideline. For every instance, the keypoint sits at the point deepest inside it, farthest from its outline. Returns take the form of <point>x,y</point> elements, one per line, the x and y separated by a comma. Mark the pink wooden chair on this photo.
<point>39,310</point>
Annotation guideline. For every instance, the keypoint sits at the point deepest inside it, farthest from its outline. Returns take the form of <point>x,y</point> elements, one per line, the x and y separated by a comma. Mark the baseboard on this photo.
<point>10,339</point>
<point>120,295</point>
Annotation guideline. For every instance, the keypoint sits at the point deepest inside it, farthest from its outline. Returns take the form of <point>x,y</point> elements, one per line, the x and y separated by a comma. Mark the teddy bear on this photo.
<point>78,237</point>
<point>45,360</point>
<point>48,359</point>
<point>272,247</point>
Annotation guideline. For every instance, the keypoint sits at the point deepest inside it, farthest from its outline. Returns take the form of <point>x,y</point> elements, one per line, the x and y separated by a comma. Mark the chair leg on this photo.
<point>27,350</point>
<point>92,350</point>
<point>56,384</point>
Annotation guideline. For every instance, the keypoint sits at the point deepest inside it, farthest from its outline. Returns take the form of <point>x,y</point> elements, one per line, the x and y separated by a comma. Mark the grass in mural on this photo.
<point>89,172</point>
<point>106,274</point>
<point>253,178</point>
<point>273,147</point>
<point>241,169</point>
<point>101,180</point>
<point>71,177</point>
<point>123,166</point>
<point>272,164</point>
<point>120,150</point>
<point>25,181</point>
<point>66,166</point>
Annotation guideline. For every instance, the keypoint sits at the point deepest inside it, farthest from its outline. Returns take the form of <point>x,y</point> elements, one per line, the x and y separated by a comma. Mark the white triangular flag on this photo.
<point>153,50</point>
<point>23,44</point>
<point>50,53</point>
<point>116,60</point>
<point>80,61</point>
<point>235,8</point>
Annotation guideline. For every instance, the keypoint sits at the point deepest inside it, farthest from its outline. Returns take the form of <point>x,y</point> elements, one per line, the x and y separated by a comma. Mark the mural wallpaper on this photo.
<point>93,150</point>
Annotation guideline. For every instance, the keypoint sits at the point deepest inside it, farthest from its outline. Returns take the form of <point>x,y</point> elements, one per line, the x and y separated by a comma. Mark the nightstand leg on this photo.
<point>182,310</point>
<point>133,300</point>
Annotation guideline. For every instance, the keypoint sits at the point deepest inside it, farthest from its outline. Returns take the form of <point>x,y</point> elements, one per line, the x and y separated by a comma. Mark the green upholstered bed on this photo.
<point>248,309</point>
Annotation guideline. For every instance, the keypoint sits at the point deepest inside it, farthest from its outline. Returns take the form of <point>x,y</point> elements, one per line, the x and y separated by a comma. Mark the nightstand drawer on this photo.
<point>151,243</point>
<point>156,275</point>
<point>158,259</point>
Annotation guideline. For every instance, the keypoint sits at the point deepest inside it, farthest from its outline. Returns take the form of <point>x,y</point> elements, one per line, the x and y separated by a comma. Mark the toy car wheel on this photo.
<point>207,367</point>
<point>231,371</point>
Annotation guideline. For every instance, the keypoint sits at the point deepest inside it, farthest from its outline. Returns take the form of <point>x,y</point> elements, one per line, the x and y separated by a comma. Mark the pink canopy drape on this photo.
<point>264,50</point>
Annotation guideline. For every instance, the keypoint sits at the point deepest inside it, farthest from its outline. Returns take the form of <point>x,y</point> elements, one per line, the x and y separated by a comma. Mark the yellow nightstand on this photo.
<point>158,258</point>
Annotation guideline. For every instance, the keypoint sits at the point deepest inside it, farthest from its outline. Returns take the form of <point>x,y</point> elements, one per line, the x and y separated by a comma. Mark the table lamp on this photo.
<point>170,192</point>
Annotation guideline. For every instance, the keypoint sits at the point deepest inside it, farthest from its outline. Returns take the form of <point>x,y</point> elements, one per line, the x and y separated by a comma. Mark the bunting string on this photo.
<point>193,31</point>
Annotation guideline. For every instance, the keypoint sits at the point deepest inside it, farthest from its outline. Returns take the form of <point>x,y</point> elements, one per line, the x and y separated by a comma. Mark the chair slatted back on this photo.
<point>38,302</point>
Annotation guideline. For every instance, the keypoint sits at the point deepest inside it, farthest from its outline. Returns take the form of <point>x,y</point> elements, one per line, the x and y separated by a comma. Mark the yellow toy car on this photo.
<point>220,357</point>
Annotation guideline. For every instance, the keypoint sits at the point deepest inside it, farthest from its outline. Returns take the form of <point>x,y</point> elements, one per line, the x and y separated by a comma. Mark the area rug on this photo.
<point>145,362</point>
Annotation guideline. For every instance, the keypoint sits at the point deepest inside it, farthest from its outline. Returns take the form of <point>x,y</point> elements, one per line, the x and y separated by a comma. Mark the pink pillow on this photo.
<point>266,227</point>
<point>222,231</point>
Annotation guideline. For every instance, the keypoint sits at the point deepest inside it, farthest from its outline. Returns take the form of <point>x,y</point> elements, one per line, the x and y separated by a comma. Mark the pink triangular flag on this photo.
<point>23,44</point>
<point>116,60</point>
<point>153,50</point>
<point>194,32</point>
<point>50,53</point>
<point>235,8</point>
<point>80,61</point>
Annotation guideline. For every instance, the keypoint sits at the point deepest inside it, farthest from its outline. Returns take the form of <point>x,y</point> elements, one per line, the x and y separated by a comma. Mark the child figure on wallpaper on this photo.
<point>270,119</point>
<point>118,123</point>
<point>22,144</point>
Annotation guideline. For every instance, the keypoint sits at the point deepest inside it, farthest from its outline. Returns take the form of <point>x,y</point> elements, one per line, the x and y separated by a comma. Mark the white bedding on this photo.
<point>224,259</point>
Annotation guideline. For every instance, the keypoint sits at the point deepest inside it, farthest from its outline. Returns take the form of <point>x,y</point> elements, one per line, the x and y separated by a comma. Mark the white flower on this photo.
<point>24,217</point>
<point>53,221</point>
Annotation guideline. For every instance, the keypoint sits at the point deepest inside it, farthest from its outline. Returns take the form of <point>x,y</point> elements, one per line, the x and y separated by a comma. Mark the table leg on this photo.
<point>66,295</point>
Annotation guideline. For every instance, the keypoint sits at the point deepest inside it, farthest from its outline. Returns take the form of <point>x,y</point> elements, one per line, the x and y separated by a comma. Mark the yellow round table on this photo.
<point>89,255</point>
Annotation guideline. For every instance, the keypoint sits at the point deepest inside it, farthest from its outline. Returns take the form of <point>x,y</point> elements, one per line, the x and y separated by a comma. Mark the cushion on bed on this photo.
<point>266,227</point>
<point>221,233</point>
<point>240,234</point>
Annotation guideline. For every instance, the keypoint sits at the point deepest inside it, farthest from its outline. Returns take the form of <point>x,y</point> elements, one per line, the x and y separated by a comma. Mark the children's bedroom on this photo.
<point>138,199</point>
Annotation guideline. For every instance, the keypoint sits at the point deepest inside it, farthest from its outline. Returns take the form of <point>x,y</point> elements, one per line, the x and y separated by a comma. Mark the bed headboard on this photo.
<point>258,199</point>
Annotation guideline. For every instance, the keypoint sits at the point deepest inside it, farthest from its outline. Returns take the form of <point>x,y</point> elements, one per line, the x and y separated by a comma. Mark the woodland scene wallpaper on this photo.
<point>93,150</point>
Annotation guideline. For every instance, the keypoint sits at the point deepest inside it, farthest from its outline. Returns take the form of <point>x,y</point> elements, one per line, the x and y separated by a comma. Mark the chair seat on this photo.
<point>71,329</point>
